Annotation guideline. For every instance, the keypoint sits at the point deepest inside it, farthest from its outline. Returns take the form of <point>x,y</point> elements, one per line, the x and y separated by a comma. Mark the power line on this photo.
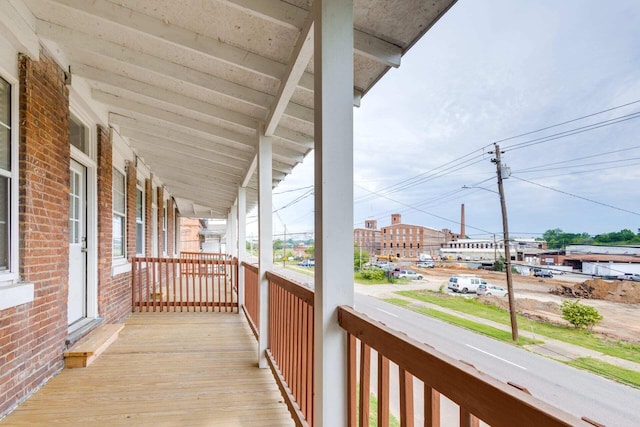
<point>572,132</point>
<point>423,211</point>
<point>542,169</point>
<point>583,158</point>
<point>569,121</point>
<point>576,196</point>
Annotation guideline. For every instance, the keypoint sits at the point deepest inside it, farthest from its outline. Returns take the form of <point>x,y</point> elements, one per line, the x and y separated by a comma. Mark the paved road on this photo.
<point>575,391</point>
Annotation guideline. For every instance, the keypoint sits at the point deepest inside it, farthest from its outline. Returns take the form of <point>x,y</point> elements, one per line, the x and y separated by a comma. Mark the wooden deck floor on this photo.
<point>166,369</point>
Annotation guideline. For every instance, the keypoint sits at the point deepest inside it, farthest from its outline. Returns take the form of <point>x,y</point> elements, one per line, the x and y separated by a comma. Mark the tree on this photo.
<point>310,251</point>
<point>580,316</point>
<point>360,256</point>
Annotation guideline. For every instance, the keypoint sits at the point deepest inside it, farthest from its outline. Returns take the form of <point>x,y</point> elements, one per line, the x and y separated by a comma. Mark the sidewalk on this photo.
<point>551,348</point>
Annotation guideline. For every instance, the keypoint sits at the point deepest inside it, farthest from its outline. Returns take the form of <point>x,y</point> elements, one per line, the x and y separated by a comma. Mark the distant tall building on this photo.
<point>368,238</point>
<point>401,240</point>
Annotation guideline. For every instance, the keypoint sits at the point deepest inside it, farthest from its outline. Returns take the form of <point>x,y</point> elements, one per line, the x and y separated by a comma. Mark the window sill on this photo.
<point>120,266</point>
<point>15,295</point>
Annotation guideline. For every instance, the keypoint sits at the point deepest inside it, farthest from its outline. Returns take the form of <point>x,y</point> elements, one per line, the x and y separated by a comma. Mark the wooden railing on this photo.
<point>290,352</point>
<point>162,284</point>
<point>423,378</point>
<point>252,297</point>
<point>189,268</point>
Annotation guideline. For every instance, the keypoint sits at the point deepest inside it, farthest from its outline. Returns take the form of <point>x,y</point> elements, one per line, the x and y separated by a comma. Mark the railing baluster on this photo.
<point>352,405</point>
<point>383,391</point>
<point>406,398</point>
<point>431,407</point>
<point>365,383</point>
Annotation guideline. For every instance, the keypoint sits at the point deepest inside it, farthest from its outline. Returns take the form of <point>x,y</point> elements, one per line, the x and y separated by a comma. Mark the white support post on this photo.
<point>333,108</point>
<point>265,235</point>
<point>242,243</point>
<point>233,216</point>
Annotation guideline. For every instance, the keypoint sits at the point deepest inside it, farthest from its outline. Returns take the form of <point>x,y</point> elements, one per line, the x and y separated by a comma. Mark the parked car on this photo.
<point>491,290</point>
<point>629,276</point>
<point>406,274</point>
<point>465,284</point>
<point>542,273</point>
<point>308,263</point>
<point>425,264</point>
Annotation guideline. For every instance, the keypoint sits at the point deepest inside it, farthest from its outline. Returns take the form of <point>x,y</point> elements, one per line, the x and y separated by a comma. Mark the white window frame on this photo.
<point>122,215</point>
<point>140,221</point>
<point>165,222</point>
<point>13,292</point>
<point>176,232</point>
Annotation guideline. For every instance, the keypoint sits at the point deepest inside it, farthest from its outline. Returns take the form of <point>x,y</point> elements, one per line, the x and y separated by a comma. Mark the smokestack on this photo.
<point>462,230</point>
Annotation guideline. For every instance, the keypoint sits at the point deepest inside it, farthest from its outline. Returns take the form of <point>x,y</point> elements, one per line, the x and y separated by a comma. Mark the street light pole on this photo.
<point>507,249</point>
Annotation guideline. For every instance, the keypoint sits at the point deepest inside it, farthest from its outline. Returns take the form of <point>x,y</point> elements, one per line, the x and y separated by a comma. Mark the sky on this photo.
<point>487,72</point>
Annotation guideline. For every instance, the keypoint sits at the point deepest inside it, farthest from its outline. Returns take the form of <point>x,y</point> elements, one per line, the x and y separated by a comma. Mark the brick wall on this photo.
<point>114,293</point>
<point>33,335</point>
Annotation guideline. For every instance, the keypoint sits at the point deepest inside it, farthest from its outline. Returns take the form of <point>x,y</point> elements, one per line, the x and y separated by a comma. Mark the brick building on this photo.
<point>78,204</point>
<point>401,240</point>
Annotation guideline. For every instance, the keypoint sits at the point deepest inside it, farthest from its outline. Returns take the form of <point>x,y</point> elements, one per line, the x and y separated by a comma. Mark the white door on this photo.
<point>77,301</point>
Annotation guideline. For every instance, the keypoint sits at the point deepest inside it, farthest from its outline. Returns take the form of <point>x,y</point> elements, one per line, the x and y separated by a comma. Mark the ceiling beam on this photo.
<point>186,142</point>
<point>291,16</point>
<point>252,168</point>
<point>84,46</point>
<point>170,130</point>
<point>120,103</point>
<point>144,25</point>
<point>170,148</point>
<point>302,53</point>
<point>18,25</point>
<point>164,95</point>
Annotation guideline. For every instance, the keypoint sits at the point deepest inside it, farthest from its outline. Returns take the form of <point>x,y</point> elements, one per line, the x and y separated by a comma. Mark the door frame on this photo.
<point>87,160</point>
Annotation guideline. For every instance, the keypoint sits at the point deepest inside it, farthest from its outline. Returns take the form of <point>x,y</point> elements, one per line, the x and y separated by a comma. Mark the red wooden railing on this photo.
<point>252,297</point>
<point>215,269</point>
<point>162,284</point>
<point>290,351</point>
<point>422,375</point>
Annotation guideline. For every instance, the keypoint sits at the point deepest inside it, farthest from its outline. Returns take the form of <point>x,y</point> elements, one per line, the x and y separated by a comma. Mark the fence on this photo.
<point>162,284</point>
<point>252,296</point>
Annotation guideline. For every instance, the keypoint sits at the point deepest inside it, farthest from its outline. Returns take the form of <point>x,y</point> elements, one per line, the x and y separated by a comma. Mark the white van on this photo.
<point>465,284</point>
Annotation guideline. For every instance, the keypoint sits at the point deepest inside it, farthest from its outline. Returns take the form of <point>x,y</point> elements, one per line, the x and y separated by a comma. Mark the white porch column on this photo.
<point>333,104</point>
<point>233,227</point>
<point>265,236</point>
<point>242,243</point>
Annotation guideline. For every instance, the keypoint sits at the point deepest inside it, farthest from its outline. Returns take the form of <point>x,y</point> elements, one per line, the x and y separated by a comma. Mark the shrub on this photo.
<point>580,316</point>
<point>372,274</point>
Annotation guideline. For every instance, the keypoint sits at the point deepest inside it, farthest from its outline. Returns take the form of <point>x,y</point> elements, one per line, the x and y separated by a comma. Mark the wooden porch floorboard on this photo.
<point>166,369</point>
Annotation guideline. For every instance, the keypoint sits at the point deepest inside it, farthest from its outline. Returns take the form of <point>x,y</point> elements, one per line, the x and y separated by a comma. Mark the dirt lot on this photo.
<point>617,301</point>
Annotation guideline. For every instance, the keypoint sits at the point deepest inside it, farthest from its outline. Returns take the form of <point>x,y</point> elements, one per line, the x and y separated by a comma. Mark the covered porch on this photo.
<point>189,368</point>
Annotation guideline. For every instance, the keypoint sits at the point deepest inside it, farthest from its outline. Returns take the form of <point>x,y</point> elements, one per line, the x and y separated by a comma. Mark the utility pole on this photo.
<point>507,249</point>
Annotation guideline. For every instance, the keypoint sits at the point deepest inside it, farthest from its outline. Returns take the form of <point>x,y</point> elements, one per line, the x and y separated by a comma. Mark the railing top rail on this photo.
<point>297,289</point>
<point>251,267</point>
<point>231,261</point>
<point>496,403</point>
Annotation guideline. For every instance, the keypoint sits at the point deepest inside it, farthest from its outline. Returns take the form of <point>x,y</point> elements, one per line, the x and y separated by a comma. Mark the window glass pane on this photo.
<point>118,192</point>
<point>5,148</point>
<point>4,224</point>
<point>5,125</point>
<point>78,135</point>
<point>118,236</point>
<point>139,238</point>
<point>139,205</point>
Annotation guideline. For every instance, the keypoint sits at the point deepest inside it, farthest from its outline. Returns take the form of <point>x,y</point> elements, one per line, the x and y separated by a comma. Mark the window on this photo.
<point>164,229</point>
<point>6,175</point>
<point>79,137</point>
<point>119,214</point>
<point>139,219</point>
<point>176,231</point>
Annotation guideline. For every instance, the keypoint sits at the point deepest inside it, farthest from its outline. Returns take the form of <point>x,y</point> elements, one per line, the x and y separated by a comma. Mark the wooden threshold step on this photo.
<point>87,349</point>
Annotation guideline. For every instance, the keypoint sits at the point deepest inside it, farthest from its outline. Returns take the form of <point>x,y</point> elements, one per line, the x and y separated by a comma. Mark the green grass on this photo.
<point>373,413</point>
<point>357,277</point>
<point>607,370</point>
<point>467,324</point>
<point>583,338</point>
